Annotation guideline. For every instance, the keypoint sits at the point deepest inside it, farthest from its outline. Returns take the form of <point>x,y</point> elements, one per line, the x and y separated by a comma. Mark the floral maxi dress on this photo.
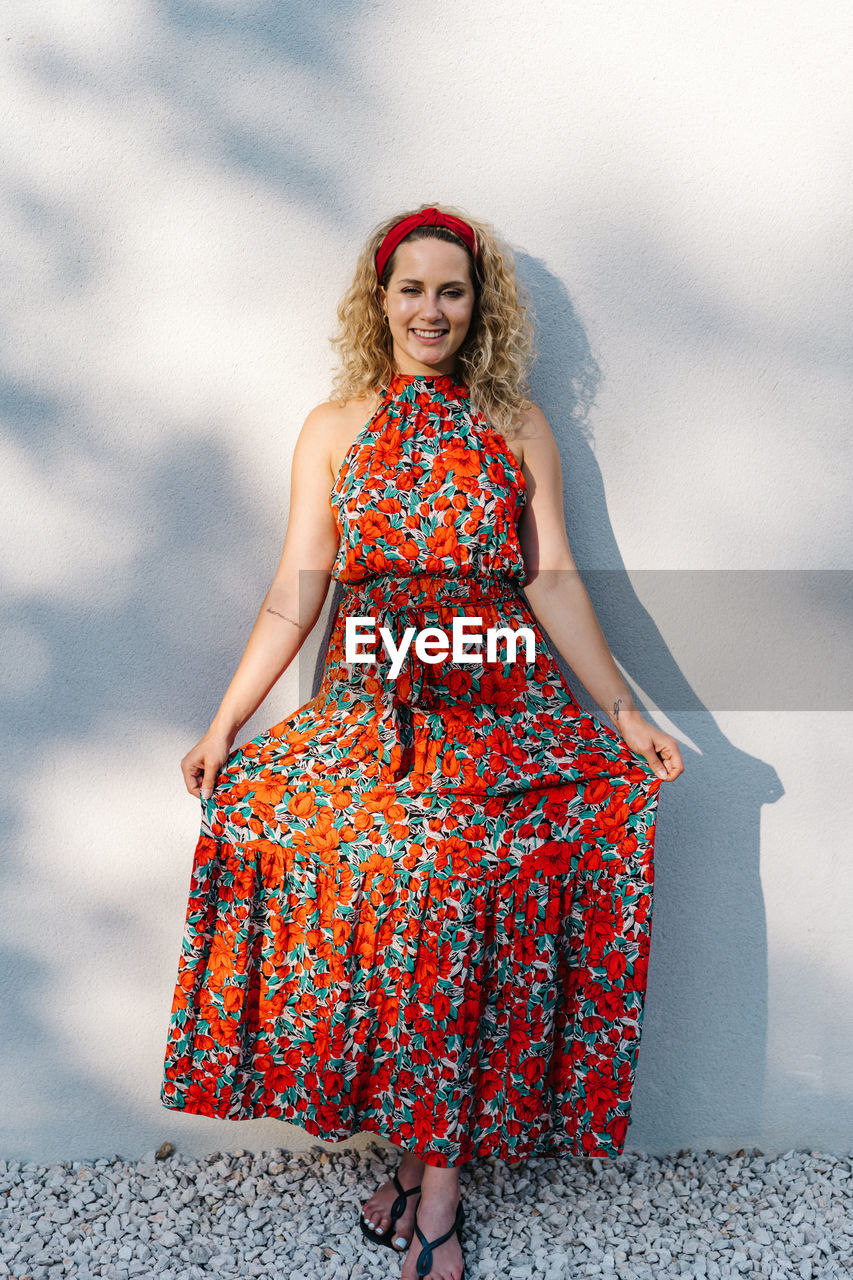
<point>422,906</point>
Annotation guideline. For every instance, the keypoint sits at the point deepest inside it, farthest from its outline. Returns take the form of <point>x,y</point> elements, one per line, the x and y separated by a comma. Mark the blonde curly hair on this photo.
<point>495,358</point>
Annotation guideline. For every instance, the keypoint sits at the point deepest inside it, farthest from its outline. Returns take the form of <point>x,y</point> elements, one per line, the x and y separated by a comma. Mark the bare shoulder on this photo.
<point>534,425</point>
<point>332,426</point>
<point>334,415</point>
<point>533,440</point>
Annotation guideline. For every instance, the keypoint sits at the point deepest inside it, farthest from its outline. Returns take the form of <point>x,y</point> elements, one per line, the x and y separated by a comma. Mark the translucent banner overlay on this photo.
<point>697,639</point>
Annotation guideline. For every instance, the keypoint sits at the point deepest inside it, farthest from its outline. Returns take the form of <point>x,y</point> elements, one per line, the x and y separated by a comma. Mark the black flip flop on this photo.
<point>424,1262</point>
<point>397,1210</point>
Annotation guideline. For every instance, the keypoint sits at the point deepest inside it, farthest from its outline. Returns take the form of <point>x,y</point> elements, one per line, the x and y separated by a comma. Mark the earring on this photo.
<point>385,319</point>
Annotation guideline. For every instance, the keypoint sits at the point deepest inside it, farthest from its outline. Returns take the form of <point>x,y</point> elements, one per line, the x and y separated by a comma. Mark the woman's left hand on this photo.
<point>660,749</point>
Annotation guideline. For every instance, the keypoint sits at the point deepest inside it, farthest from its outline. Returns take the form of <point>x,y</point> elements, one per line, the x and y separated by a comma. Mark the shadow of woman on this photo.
<point>700,1080</point>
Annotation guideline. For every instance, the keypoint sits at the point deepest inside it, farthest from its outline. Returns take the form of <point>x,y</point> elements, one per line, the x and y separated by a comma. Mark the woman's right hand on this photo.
<point>203,763</point>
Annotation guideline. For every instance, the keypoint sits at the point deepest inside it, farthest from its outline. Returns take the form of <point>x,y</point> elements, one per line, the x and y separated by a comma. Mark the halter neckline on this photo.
<point>441,383</point>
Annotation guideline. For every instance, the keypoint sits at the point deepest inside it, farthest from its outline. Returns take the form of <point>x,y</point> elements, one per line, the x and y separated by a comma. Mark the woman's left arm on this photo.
<point>560,601</point>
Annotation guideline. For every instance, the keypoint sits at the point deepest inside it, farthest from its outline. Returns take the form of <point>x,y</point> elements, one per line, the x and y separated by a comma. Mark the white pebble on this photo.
<point>697,1216</point>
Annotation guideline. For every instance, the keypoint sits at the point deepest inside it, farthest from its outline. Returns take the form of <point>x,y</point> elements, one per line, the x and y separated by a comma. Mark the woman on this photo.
<point>421,905</point>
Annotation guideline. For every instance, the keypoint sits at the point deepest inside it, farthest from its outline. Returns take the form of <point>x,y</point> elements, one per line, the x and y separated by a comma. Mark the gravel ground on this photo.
<point>282,1215</point>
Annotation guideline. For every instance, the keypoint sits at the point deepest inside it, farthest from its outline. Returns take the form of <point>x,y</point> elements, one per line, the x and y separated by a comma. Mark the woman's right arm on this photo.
<point>289,609</point>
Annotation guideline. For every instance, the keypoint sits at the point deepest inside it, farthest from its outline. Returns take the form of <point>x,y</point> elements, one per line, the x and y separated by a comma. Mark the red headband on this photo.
<point>426,218</point>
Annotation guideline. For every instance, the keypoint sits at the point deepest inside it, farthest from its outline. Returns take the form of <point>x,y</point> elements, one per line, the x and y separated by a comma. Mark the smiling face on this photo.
<point>429,301</point>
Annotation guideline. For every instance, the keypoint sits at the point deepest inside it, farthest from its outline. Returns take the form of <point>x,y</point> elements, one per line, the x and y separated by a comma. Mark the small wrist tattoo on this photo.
<point>616,705</point>
<point>284,615</point>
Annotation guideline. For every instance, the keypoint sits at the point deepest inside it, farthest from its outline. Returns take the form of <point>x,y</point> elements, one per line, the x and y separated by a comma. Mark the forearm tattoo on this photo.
<point>284,615</point>
<point>616,705</point>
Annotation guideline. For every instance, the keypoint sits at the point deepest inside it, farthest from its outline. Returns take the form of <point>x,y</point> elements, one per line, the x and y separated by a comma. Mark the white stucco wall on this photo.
<point>184,188</point>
